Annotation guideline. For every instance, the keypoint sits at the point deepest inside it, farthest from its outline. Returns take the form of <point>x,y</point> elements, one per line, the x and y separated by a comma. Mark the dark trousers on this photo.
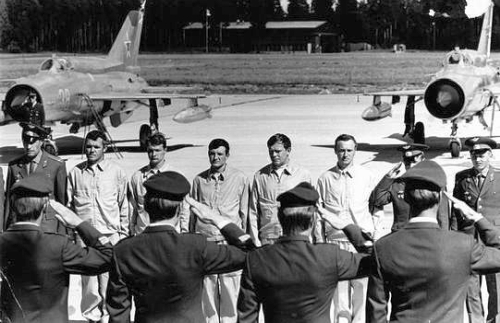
<point>474,301</point>
<point>492,284</point>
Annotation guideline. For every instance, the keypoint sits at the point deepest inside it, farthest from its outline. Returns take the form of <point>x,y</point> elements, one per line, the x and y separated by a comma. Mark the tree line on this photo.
<point>91,25</point>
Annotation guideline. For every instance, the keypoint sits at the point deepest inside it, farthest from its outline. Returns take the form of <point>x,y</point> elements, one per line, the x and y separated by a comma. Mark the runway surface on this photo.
<point>311,121</point>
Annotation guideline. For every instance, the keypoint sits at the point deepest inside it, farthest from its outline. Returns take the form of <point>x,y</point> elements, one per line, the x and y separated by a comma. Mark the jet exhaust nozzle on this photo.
<point>444,99</point>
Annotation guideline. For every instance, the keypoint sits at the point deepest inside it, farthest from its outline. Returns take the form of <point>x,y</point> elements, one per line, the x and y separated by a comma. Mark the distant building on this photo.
<point>285,36</point>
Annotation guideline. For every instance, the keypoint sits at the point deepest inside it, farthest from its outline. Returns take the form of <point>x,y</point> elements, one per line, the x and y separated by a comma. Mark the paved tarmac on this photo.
<point>247,121</point>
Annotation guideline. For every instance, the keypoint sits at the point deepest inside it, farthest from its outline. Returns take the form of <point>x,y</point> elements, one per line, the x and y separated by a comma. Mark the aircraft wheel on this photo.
<point>144,134</point>
<point>50,147</point>
<point>455,149</point>
<point>419,133</point>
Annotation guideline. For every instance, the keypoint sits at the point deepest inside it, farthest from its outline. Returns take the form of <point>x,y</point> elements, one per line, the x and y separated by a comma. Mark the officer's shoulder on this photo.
<point>17,160</point>
<point>54,158</point>
<point>123,241</point>
<point>463,173</point>
<point>55,235</point>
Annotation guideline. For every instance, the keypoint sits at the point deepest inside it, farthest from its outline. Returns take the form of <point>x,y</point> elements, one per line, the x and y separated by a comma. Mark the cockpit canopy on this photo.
<point>464,58</point>
<point>56,64</point>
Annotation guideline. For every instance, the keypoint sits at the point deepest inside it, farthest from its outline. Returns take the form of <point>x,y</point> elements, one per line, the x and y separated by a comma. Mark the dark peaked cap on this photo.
<point>37,184</point>
<point>426,171</point>
<point>301,195</point>
<point>480,143</point>
<point>169,185</point>
<point>411,150</point>
<point>34,130</point>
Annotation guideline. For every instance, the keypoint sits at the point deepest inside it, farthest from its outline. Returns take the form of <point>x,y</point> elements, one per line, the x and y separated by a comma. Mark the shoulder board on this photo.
<point>55,158</point>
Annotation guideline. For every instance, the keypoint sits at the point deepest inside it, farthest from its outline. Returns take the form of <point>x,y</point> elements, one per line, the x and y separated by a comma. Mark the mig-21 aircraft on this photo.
<point>68,93</point>
<point>466,85</point>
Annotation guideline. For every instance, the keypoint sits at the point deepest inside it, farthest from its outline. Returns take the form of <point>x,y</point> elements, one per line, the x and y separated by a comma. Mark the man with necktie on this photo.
<point>478,187</point>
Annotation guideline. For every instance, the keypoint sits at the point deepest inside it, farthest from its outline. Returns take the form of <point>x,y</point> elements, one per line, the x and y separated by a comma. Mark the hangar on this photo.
<point>284,36</point>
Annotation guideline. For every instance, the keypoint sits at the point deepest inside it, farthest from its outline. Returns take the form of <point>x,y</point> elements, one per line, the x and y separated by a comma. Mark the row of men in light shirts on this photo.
<point>344,190</point>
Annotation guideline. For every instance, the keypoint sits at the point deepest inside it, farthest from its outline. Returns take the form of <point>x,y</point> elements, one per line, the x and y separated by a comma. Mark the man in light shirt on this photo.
<point>225,190</point>
<point>269,182</point>
<point>157,150</point>
<point>97,192</point>
<point>344,190</point>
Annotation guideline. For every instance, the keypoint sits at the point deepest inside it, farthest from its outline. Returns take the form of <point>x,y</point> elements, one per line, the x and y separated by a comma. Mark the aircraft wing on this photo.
<point>128,96</point>
<point>417,92</point>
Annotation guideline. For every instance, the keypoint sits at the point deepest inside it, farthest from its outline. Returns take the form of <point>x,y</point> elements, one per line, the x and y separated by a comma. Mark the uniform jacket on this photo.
<point>55,169</point>
<point>391,190</point>
<point>37,266</point>
<point>294,280</point>
<point>485,201</point>
<point>163,270</point>
<point>427,270</point>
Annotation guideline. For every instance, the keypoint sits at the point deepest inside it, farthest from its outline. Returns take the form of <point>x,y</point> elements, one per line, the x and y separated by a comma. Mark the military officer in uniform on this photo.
<point>164,270</point>
<point>36,115</point>
<point>36,265</point>
<point>36,161</point>
<point>390,189</point>
<point>479,187</point>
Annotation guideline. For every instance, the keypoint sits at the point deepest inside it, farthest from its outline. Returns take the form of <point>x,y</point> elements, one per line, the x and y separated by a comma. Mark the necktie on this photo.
<point>480,181</point>
<point>32,167</point>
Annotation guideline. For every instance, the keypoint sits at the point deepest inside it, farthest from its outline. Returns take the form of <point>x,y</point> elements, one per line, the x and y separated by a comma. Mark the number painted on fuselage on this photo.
<point>64,97</point>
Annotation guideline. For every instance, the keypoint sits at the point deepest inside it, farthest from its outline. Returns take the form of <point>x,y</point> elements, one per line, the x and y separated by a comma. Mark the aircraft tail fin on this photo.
<point>125,49</point>
<point>484,46</point>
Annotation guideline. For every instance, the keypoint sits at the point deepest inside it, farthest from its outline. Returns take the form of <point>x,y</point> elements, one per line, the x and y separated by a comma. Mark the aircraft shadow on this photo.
<point>73,145</point>
<point>388,152</point>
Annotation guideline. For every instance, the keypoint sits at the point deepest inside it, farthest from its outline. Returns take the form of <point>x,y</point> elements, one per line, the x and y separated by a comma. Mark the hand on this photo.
<point>204,213</point>
<point>332,219</point>
<point>394,172</point>
<point>468,213</point>
<point>65,215</point>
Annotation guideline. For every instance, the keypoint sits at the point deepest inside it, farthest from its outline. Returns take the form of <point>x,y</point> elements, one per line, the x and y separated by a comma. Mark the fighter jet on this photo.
<point>465,86</point>
<point>68,94</point>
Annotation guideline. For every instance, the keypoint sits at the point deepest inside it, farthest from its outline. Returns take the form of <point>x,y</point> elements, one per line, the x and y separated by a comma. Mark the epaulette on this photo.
<point>55,158</point>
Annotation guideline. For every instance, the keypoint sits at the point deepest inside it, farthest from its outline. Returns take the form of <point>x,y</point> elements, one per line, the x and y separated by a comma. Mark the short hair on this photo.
<point>160,208</point>
<point>421,195</point>
<point>157,139</point>
<point>279,138</point>
<point>218,142</point>
<point>296,219</point>
<point>346,137</point>
<point>28,208</point>
<point>96,134</point>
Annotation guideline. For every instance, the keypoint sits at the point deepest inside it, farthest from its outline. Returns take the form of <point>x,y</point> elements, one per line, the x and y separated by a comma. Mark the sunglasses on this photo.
<point>30,140</point>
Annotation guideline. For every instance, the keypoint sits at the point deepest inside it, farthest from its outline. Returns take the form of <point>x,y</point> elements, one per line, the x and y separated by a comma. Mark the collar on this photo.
<point>423,220</point>
<point>148,170</point>
<point>349,171</point>
<point>159,228</point>
<point>296,237</point>
<point>37,158</point>
<point>99,166</point>
<point>287,169</point>
<point>484,172</point>
<point>222,175</point>
<point>23,226</point>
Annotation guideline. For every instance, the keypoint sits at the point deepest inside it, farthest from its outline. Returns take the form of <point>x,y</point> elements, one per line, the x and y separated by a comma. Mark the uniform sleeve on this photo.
<point>444,213</point>
<point>377,296</point>
<point>248,302</point>
<point>219,258</point>
<point>484,260</point>
<point>132,204</point>
<point>489,234</point>
<point>352,265</point>
<point>118,296</point>
<point>70,187</point>
<point>123,204</point>
<point>2,199</point>
<point>381,194</point>
<point>318,229</point>
<point>92,260</point>
<point>457,222</point>
<point>253,213</point>
<point>243,210</point>
<point>60,192</point>
<point>6,214</point>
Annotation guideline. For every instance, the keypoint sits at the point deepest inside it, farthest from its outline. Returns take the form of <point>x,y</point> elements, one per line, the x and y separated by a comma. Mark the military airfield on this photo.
<point>312,121</point>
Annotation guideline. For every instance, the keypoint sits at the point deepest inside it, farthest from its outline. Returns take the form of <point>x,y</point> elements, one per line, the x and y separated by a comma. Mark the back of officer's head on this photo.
<point>30,196</point>
<point>297,208</point>
<point>423,185</point>
<point>164,194</point>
